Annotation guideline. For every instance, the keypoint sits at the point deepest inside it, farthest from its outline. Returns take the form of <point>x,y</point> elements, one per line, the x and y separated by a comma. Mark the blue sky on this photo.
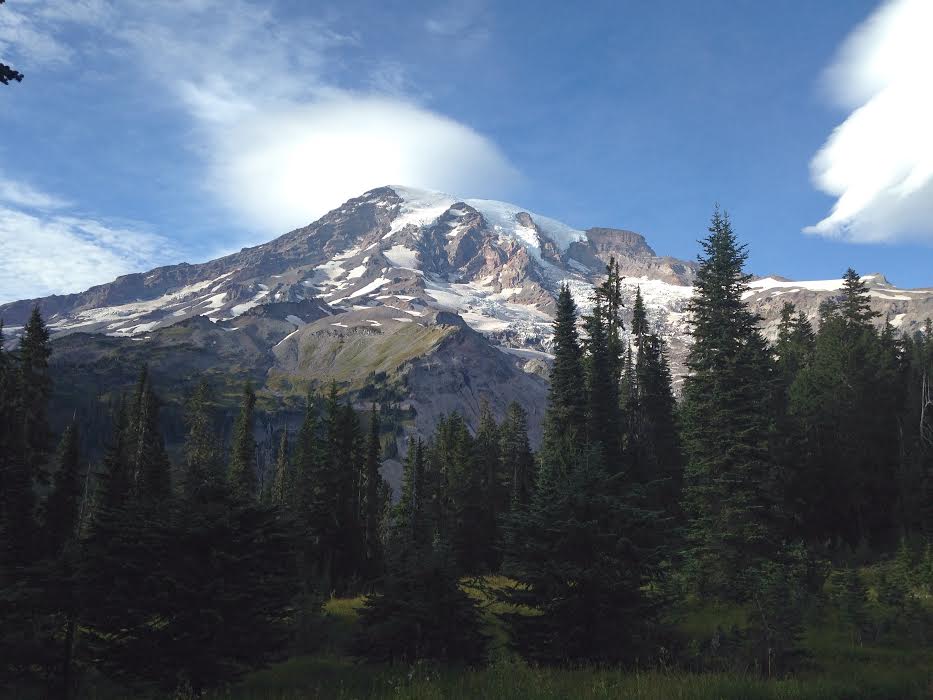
<point>152,132</point>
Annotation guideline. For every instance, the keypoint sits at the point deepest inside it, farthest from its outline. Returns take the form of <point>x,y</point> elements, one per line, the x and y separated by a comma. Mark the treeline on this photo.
<point>779,462</point>
<point>184,581</point>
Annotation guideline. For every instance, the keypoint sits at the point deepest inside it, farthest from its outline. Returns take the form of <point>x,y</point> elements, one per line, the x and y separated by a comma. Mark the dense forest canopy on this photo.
<point>780,464</point>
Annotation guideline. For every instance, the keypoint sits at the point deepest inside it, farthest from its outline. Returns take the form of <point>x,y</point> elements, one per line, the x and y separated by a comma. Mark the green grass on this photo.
<point>837,669</point>
<point>339,679</point>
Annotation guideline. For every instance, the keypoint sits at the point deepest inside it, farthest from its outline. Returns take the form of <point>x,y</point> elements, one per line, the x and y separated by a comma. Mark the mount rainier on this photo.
<point>453,298</point>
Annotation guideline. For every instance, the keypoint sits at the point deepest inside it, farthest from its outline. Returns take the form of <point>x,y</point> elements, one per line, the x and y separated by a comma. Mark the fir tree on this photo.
<point>578,554</point>
<point>151,469</point>
<point>373,502</point>
<point>493,487</point>
<point>243,453</point>
<point>61,512</point>
<point>421,611</point>
<point>518,461</point>
<point>846,401</point>
<point>459,490</point>
<point>203,453</point>
<point>281,485</point>
<point>731,498</point>
<point>565,417</point>
<point>36,387</point>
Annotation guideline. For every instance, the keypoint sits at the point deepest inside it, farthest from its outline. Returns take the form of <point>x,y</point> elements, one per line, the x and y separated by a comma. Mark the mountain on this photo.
<point>447,300</point>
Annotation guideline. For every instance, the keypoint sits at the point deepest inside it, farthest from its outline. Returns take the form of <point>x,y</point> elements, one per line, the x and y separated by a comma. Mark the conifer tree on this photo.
<point>36,387</point>
<point>61,516</point>
<point>657,457</point>
<point>373,502</point>
<point>582,557</point>
<point>846,402</point>
<point>493,488</point>
<point>203,453</point>
<point>421,611</point>
<point>281,485</point>
<point>730,491</point>
<point>459,493</point>
<point>151,469</point>
<point>243,453</point>
<point>518,461</point>
<point>564,421</point>
<point>601,385</point>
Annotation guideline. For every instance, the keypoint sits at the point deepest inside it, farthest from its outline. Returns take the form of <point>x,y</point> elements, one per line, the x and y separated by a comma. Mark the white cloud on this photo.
<point>282,143</point>
<point>286,167</point>
<point>56,254</point>
<point>282,140</point>
<point>25,195</point>
<point>879,161</point>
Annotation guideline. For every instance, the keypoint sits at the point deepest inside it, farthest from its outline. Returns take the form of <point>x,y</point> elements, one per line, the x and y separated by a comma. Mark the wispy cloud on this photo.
<point>282,139</point>
<point>23,194</point>
<point>879,161</point>
<point>54,252</point>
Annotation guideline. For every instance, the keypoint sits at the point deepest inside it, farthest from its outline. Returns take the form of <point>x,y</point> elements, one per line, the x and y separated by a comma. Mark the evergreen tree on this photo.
<point>518,461</point>
<point>421,611</point>
<point>151,469</point>
<point>373,503</point>
<point>494,491</point>
<point>243,453</point>
<point>281,485</point>
<point>61,511</point>
<point>458,492</point>
<point>578,554</point>
<point>730,492</point>
<point>564,421</point>
<point>203,452</point>
<point>846,401</point>
<point>657,457</point>
<point>36,387</point>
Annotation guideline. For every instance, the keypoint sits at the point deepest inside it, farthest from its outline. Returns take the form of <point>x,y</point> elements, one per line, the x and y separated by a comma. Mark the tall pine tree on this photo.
<point>730,493</point>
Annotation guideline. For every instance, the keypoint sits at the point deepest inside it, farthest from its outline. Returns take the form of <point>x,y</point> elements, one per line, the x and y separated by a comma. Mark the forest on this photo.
<point>766,533</point>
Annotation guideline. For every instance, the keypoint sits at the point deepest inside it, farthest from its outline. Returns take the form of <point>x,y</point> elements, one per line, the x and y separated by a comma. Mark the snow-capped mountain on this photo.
<point>496,265</point>
<point>453,296</point>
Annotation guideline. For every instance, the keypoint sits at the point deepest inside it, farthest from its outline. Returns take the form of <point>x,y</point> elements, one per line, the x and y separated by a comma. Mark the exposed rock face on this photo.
<point>453,298</point>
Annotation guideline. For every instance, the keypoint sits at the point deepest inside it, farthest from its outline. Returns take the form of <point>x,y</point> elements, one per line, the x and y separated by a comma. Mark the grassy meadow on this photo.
<point>836,666</point>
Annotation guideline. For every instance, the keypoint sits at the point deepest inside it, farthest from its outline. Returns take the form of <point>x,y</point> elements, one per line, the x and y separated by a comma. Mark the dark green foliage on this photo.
<point>64,501</point>
<point>564,420</point>
<point>778,602</point>
<point>603,363</point>
<point>192,590</point>
<point>655,452</point>
<point>282,480</point>
<point>730,491</point>
<point>579,559</point>
<point>36,387</point>
<point>518,462</point>
<point>374,502</point>
<point>494,491</point>
<point>456,485</point>
<point>846,403</point>
<point>421,613</point>
<point>849,595</point>
<point>25,440</point>
<point>242,477</point>
<point>203,451</point>
<point>150,464</point>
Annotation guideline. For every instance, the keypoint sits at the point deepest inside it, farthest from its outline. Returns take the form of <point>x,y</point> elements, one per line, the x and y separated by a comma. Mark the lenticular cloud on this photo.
<point>284,168</point>
<point>879,162</point>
